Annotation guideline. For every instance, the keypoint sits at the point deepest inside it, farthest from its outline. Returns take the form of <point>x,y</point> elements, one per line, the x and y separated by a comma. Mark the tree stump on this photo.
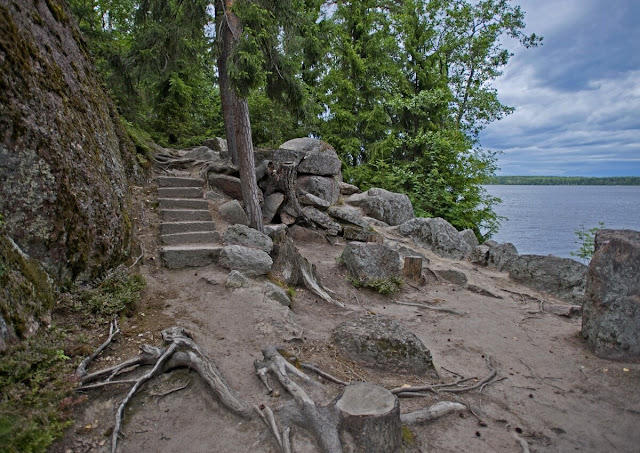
<point>413,268</point>
<point>370,416</point>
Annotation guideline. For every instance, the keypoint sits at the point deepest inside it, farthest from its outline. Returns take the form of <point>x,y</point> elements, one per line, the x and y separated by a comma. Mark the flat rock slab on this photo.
<point>437,235</point>
<point>178,256</point>
<point>186,227</point>
<point>197,237</point>
<point>248,237</point>
<point>183,203</point>
<point>390,207</point>
<point>179,192</point>
<point>182,215</point>
<point>382,343</point>
<point>561,277</point>
<point>250,262</point>
<point>175,181</point>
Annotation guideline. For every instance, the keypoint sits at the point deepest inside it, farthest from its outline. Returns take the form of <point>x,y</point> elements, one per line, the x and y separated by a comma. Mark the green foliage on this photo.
<point>35,392</point>
<point>384,286</point>
<point>156,60</point>
<point>586,241</point>
<point>407,91</point>
<point>400,89</point>
<point>117,295</point>
<point>142,141</point>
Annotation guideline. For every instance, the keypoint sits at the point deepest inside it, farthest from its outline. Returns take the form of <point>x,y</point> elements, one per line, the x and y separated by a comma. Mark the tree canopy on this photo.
<point>401,89</point>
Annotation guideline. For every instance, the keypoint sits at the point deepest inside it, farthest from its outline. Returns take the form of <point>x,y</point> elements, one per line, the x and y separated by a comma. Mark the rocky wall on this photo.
<point>65,158</point>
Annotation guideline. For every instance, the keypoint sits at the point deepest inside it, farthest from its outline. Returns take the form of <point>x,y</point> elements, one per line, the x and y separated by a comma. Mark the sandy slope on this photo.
<point>550,390</point>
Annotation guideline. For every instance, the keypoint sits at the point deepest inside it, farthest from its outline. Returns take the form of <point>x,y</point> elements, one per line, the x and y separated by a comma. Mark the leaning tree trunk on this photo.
<point>237,118</point>
<point>246,163</point>
<point>225,45</point>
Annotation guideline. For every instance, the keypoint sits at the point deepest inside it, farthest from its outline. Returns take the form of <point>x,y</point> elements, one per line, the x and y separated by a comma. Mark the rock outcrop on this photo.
<point>368,262</point>
<point>561,277</point>
<point>391,208</point>
<point>65,158</point>
<point>438,235</point>
<point>251,262</point>
<point>611,310</point>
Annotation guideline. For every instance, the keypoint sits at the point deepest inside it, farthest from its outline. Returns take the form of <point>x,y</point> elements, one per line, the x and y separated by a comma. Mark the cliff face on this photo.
<point>64,156</point>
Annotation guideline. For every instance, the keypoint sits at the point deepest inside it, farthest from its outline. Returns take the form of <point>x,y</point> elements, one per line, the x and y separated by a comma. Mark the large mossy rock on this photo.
<point>382,343</point>
<point>64,155</point>
<point>65,160</point>
<point>611,310</point>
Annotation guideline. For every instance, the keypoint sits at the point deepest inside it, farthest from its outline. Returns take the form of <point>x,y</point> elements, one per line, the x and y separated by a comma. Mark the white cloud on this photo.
<point>577,100</point>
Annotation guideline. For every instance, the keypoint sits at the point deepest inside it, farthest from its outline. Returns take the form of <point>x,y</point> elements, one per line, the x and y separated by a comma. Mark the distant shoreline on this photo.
<point>565,181</point>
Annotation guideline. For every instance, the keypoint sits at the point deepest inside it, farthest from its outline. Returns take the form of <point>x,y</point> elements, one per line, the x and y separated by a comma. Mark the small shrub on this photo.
<point>586,241</point>
<point>116,295</point>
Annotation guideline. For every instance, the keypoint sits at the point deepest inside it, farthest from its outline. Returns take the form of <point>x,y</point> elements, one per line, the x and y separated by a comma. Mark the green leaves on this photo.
<point>586,241</point>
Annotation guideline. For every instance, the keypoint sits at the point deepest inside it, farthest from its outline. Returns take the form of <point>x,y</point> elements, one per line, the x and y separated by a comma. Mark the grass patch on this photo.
<point>384,286</point>
<point>117,295</point>
<point>35,392</point>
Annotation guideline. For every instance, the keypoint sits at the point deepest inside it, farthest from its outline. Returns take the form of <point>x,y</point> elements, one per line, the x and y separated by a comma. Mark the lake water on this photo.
<point>543,219</point>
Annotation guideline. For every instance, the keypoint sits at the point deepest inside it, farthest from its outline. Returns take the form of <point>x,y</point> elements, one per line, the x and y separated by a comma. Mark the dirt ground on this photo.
<point>550,390</point>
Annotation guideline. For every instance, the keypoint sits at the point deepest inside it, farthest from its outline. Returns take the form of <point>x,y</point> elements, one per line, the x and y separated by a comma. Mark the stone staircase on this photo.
<point>188,233</point>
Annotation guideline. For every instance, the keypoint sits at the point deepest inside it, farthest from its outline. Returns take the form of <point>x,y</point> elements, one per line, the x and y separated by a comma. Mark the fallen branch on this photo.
<point>429,387</point>
<point>324,374</point>
<point>438,410</point>
<point>120,412</point>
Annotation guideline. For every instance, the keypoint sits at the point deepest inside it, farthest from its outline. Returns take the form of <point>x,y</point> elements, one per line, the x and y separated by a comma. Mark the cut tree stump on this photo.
<point>370,414</point>
<point>413,268</point>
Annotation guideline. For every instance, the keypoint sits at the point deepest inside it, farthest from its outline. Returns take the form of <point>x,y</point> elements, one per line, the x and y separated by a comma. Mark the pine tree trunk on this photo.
<point>235,110</point>
<point>246,163</point>
<point>225,44</point>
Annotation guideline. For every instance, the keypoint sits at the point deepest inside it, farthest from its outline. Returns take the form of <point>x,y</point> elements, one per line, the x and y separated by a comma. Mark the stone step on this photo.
<point>177,181</point>
<point>186,227</point>
<point>197,237</point>
<point>184,215</point>
<point>183,203</point>
<point>179,192</point>
<point>178,256</point>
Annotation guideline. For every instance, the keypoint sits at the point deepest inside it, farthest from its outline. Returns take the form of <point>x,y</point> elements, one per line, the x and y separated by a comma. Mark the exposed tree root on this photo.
<point>365,417</point>
<point>81,371</point>
<point>429,307</point>
<point>181,351</point>
<point>294,269</point>
<point>453,387</point>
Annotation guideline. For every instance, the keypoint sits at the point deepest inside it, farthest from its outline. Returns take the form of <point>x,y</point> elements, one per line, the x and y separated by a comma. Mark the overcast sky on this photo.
<point>577,97</point>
